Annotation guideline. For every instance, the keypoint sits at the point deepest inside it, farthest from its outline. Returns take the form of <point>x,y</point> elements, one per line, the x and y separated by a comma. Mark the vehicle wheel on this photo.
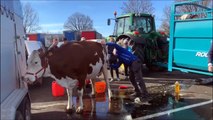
<point>19,115</point>
<point>25,108</point>
<point>155,68</point>
<point>152,68</point>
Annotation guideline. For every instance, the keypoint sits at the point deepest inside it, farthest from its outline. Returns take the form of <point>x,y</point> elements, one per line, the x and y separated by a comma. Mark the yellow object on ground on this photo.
<point>177,91</point>
<point>121,68</point>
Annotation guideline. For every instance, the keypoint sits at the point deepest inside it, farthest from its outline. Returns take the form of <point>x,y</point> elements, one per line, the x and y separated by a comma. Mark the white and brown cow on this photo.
<point>68,65</point>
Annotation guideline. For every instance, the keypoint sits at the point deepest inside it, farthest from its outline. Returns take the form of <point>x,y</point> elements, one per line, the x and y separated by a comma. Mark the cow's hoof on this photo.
<point>79,110</point>
<point>92,95</point>
<point>70,111</point>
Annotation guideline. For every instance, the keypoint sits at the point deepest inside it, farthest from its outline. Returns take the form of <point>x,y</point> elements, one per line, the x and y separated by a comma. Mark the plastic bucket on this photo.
<point>57,90</point>
<point>100,87</point>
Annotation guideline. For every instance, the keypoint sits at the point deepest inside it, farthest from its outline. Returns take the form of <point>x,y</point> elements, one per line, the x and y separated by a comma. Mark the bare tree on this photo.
<point>31,19</point>
<point>138,6</point>
<point>192,8</point>
<point>79,22</point>
<point>165,26</point>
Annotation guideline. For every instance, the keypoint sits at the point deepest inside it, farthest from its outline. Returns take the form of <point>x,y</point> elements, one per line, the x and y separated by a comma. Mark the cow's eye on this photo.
<point>36,62</point>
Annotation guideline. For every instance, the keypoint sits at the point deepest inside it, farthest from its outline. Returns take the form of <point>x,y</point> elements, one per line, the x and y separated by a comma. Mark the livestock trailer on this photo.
<point>15,100</point>
<point>190,38</point>
<point>91,35</point>
<point>37,37</point>
<point>72,35</point>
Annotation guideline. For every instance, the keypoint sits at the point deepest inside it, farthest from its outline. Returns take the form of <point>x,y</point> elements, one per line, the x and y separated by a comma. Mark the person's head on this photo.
<point>83,38</point>
<point>111,39</point>
<point>55,40</point>
<point>125,42</point>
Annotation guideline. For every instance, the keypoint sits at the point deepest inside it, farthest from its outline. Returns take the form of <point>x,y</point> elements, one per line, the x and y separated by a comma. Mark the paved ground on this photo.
<point>45,106</point>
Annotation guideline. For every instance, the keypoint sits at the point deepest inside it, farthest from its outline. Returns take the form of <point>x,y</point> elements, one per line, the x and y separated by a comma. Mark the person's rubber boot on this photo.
<point>111,79</point>
<point>135,94</point>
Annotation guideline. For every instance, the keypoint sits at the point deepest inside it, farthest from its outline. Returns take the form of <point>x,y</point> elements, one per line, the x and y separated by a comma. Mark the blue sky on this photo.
<point>54,13</point>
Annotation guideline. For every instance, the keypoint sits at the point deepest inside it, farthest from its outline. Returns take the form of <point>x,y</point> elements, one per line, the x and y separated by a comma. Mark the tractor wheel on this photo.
<point>154,68</point>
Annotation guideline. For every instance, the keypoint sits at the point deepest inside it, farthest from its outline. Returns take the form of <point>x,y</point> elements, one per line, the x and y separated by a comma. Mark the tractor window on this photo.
<point>127,24</point>
<point>120,26</point>
<point>143,24</point>
<point>123,25</point>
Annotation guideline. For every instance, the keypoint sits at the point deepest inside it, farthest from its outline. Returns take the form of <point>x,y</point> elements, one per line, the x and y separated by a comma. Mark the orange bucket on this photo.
<point>57,90</point>
<point>100,87</point>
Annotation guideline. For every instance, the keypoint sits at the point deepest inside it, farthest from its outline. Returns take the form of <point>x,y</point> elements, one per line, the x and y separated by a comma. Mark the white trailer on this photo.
<point>15,100</point>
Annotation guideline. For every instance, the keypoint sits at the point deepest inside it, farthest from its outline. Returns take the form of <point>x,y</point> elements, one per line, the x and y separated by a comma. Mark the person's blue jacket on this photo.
<point>124,55</point>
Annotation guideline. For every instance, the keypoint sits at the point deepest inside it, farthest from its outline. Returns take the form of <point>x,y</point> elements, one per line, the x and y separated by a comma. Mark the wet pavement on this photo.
<point>122,106</point>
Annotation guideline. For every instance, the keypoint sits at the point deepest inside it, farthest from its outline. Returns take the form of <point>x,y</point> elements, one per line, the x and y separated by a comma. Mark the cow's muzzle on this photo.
<point>35,75</point>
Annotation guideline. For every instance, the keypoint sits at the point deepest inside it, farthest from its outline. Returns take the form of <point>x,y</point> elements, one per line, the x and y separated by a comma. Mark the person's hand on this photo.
<point>114,52</point>
<point>210,68</point>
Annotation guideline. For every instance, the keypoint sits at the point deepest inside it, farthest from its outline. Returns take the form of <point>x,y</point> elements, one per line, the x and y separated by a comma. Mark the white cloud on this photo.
<point>52,25</point>
<point>37,1</point>
<point>51,31</point>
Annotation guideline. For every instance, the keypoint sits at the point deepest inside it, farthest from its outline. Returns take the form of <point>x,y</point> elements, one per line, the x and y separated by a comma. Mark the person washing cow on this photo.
<point>134,60</point>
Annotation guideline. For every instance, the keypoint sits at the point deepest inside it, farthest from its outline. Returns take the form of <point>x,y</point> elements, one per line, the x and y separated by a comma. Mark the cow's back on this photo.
<point>74,59</point>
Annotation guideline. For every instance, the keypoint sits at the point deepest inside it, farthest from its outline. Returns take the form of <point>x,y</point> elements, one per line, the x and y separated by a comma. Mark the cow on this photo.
<point>70,65</point>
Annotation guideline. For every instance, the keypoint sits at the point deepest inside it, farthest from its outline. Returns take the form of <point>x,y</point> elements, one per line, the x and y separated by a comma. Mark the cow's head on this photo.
<point>36,65</point>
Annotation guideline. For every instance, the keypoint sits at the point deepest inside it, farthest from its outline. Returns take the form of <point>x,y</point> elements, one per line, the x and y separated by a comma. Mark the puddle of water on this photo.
<point>161,100</point>
<point>122,107</point>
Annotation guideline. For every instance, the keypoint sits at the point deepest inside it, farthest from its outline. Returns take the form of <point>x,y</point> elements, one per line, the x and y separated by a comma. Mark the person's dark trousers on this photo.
<point>111,69</point>
<point>136,78</point>
<point>111,72</point>
<point>126,67</point>
<point>117,72</point>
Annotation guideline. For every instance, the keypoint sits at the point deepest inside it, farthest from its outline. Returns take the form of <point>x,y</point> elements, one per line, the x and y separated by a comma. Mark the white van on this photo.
<point>15,99</point>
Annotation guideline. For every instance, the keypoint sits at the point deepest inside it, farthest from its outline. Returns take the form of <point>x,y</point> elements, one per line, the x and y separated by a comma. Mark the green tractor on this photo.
<point>140,30</point>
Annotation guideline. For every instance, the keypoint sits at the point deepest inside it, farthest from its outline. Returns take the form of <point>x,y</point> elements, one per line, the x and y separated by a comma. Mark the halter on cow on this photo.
<point>70,64</point>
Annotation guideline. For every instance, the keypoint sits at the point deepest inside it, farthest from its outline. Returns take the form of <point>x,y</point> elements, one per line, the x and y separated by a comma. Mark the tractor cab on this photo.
<point>135,24</point>
<point>140,29</point>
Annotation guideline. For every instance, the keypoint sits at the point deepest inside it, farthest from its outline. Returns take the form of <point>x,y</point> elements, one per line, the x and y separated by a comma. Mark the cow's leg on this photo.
<point>92,85</point>
<point>105,72</point>
<point>80,107</point>
<point>69,84</point>
<point>70,103</point>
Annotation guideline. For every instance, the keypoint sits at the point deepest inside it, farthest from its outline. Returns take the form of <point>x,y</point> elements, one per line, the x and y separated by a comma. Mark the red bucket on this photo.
<point>57,90</point>
<point>100,87</point>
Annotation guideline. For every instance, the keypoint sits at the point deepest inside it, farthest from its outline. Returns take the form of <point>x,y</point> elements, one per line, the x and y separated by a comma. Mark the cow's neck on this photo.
<point>47,72</point>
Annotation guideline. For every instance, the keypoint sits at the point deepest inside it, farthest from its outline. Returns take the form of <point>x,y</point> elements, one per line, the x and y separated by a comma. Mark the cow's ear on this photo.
<point>41,52</point>
<point>34,52</point>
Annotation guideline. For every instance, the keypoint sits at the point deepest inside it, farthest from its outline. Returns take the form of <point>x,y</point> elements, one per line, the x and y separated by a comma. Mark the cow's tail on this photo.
<point>105,71</point>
